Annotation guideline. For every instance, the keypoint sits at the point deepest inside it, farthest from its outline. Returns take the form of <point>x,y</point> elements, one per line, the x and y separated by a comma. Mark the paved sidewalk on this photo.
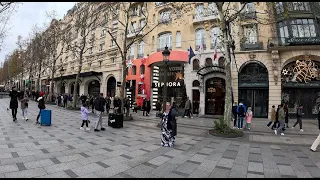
<point>62,150</point>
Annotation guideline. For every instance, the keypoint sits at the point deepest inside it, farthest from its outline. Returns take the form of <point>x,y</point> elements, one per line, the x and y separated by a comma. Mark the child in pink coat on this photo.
<point>249,117</point>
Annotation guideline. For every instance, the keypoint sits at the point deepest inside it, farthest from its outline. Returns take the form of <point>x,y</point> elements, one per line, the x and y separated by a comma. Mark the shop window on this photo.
<point>195,83</point>
<point>178,39</point>
<point>283,30</point>
<point>142,69</point>
<point>209,62</point>
<point>134,70</point>
<point>196,65</point>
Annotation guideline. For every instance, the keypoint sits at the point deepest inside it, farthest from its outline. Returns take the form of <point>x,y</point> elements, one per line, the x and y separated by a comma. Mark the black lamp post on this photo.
<point>61,72</point>
<point>166,55</point>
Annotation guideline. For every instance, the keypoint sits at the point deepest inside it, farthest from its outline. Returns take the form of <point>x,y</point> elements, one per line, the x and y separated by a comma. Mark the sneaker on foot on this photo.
<point>275,132</point>
<point>81,128</point>
<point>282,134</point>
<point>301,130</point>
<point>184,116</point>
<point>102,129</point>
<point>27,119</point>
<point>312,150</point>
<point>292,128</point>
<point>87,129</point>
<point>96,130</point>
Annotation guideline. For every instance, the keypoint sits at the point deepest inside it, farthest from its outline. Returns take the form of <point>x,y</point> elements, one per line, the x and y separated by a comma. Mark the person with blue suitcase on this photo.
<point>41,105</point>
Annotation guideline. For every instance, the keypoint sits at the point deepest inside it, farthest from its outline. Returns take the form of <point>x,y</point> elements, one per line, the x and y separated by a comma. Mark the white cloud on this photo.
<point>28,14</point>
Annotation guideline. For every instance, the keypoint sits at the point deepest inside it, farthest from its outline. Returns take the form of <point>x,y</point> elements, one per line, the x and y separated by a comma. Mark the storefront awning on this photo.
<point>84,74</point>
<point>210,69</point>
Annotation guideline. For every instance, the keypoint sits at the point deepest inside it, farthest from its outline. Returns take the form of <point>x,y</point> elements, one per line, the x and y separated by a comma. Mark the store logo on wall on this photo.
<point>169,84</point>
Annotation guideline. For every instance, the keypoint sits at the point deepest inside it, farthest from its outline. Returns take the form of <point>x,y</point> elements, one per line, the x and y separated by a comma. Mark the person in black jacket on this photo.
<point>317,141</point>
<point>99,104</point>
<point>234,113</point>
<point>14,94</point>
<point>41,105</point>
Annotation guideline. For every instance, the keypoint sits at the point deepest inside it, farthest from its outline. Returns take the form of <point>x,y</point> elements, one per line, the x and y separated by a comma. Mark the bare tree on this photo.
<point>55,47</point>
<point>77,35</point>
<point>6,11</point>
<point>129,32</point>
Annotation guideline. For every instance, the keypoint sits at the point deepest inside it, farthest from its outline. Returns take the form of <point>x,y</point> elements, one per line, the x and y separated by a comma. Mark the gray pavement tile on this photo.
<point>199,174</point>
<point>26,174</point>
<point>150,165</point>
<point>123,175</point>
<point>70,147</point>
<point>113,170</point>
<point>159,160</point>
<point>314,171</point>
<point>61,167</point>
<point>223,162</point>
<point>286,170</point>
<point>303,174</point>
<point>307,162</point>
<point>187,168</point>
<point>102,164</point>
<point>125,156</point>
<point>164,169</point>
<point>256,167</point>
<point>69,158</point>
<point>14,154</point>
<point>255,157</point>
<point>173,175</point>
<point>249,175</point>
<point>30,137</point>
<point>219,173</point>
<point>38,164</point>
<point>55,160</point>
<point>84,155</point>
<point>17,160</point>
<point>44,151</point>
<point>6,155</point>
<point>230,154</point>
<point>71,173</point>
<point>21,166</point>
<point>194,162</point>
<point>8,168</point>
<point>288,176</point>
<point>36,143</point>
<point>60,174</point>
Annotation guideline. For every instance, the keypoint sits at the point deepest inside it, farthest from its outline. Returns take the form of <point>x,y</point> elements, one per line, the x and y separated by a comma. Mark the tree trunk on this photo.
<point>123,84</point>
<point>52,76</point>
<point>75,89</point>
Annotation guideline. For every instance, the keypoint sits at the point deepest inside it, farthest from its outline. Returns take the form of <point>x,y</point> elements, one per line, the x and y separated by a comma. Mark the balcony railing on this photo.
<point>134,33</point>
<point>165,20</point>
<point>292,41</point>
<point>207,14</point>
<point>251,46</point>
<point>246,15</point>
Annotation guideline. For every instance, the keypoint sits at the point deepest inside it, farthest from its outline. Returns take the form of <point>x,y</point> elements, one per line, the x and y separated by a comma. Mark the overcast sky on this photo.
<point>27,15</point>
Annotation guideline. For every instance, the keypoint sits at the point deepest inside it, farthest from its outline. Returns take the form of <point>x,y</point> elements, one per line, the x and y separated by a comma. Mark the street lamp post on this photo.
<point>166,55</point>
<point>61,72</point>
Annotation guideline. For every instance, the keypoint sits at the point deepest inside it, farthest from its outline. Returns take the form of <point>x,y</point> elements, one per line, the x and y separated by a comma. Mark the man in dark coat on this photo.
<point>172,119</point>
<point>65,100</point>
<point>126,102</point>
<point>41,105</point>
<point>83,99</point>
<point>14,102</point>
<point>99,104</point>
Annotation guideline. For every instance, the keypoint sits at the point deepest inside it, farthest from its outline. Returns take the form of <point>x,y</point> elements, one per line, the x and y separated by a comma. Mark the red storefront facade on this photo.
<point>140,74</point>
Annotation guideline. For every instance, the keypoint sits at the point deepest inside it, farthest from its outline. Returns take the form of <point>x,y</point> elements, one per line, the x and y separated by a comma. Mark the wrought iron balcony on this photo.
<point>251,46</point>
<point>248,15</point>
<point>165,20</point>
<point>134,33</point>
<point>207,14</point>
<point>274,42</point>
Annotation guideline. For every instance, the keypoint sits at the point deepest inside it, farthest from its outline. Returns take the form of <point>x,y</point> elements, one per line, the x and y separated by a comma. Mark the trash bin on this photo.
<point>115,120</point>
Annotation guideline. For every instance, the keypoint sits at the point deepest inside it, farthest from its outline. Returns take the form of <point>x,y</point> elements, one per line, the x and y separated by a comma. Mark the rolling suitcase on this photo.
<point>45,117</point>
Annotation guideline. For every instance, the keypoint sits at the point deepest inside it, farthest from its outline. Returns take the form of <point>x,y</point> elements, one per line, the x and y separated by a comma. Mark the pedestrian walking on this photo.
<point>188,108</point>
<point>14,102</point>
<point>65,100</point>
<point>281,117</point>
<point>273,116</point>
<point>144,106</point>
<point>24,107</point>
<point>172,117</point>
<point>234,114</point>
<point>158,108</point>
<point>248,118</point>
<point>135,107</point>
<point>126,102</point>
<point>41,105</point>
<point>299,118</point>
<point>317,141</point>
<point>84,117</point>
<point>108,104</point>
<point>99,105</point>
<point>276,124</point>
<point>241,111</point>
<point>166,128</point>
<point>196,107</point>
<point>286,115</point>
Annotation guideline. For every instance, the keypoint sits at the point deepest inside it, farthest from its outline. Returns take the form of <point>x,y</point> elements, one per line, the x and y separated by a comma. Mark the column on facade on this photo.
<point>274,82</point>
